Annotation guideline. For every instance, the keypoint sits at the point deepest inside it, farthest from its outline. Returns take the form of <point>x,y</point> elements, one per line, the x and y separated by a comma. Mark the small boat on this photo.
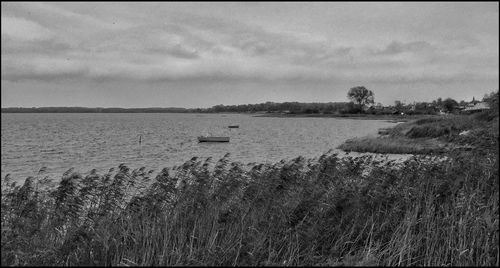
<point>234,126</point>
<point>213,139</point>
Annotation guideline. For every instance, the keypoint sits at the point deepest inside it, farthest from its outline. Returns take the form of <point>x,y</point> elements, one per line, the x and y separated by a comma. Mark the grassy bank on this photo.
<point>328,211</point>
<point>397,117</point>
<point>393,145</point>
<point>431,135</point>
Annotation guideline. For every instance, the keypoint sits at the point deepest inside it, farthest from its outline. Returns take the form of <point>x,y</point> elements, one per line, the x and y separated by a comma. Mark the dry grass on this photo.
<point>394,145</point>
<point>429,136</point>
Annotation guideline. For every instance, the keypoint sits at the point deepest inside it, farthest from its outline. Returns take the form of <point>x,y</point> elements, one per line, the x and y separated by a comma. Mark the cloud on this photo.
<point>399,47</point>
<point>56,42</point>
<point>20,29</point>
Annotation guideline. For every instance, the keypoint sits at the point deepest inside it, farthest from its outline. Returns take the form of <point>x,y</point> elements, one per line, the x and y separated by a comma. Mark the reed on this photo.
<point>324,211</point>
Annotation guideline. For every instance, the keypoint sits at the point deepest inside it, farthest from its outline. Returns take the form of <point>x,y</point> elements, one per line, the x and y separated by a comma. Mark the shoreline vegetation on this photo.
<point>430,135</point>
<point>388,117</point>
<point>326,211</point>
<point>361,105</point>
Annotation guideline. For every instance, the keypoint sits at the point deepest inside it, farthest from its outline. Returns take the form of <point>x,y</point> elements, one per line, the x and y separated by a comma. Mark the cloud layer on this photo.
<point>57,42</point>
<point>338,42</point>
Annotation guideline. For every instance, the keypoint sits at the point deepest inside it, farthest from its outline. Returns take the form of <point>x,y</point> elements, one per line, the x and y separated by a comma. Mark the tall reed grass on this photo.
<point>325,211</point>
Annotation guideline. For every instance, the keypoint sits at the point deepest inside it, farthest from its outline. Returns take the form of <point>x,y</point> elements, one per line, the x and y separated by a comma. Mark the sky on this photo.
<point>201,54</point>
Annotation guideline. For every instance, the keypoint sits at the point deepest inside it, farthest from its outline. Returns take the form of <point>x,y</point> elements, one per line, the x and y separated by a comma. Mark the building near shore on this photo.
<point>478,107</point>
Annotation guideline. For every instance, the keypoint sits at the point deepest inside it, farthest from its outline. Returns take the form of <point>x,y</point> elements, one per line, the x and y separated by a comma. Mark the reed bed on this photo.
<point>324,211</point>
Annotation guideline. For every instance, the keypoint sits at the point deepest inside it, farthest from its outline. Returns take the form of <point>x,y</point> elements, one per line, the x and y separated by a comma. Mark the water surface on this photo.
<point>102,141</point>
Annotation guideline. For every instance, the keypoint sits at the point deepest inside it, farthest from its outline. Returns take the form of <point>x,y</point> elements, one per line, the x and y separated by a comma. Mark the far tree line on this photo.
<point>362,101</point>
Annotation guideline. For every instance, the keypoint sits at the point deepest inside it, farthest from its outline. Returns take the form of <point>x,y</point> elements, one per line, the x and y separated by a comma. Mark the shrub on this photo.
<point>428,120</point>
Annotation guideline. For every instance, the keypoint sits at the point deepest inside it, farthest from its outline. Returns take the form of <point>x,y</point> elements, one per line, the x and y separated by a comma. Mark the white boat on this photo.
<point>212,139</point>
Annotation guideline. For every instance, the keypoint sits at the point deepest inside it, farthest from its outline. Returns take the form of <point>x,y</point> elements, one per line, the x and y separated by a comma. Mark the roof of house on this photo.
<point>478,106</point>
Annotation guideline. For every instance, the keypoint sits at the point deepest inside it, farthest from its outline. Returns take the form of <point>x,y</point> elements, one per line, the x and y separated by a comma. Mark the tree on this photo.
<point>493,102</point>
<point>449,104</point>
<point>398,105</point>
<point>350,108</point>
<point>439,102</point>
<point>361,96</point>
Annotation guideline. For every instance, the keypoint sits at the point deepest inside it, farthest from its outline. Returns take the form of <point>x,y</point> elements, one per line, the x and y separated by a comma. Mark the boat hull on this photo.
<point>213,139</point>
<point>233,126</point>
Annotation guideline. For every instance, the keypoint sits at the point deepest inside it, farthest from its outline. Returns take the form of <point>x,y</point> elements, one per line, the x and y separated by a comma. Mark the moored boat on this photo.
<point>234,126</point>
<point>213,139</point>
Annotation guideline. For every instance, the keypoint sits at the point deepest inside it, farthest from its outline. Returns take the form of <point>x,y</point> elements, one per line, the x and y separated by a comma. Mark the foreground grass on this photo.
<point>328,211</point>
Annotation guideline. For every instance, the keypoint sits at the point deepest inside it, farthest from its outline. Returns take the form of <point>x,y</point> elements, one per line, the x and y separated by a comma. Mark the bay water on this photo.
<point>86,141</point>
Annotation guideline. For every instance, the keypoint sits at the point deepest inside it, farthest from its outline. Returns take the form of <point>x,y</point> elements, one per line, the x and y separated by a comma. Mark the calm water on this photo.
<point>103,141</point>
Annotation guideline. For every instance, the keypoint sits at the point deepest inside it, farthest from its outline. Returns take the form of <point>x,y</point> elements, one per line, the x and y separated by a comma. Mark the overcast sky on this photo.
<point>203,54</point>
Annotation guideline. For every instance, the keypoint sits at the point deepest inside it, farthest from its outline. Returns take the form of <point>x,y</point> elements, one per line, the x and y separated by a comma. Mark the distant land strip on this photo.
<point>99,110</point>
<point>293,107</point>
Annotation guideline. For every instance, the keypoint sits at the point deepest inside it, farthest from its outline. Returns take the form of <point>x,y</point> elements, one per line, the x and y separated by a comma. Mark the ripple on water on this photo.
<point>102,141</point>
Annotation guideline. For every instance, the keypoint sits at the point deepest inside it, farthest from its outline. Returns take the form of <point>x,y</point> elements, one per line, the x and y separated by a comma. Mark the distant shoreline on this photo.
<point>98,110</point>
<point>396,118</point>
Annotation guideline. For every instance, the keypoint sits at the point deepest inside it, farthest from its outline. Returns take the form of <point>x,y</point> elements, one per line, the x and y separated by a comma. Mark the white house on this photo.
<point>478,107</point>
